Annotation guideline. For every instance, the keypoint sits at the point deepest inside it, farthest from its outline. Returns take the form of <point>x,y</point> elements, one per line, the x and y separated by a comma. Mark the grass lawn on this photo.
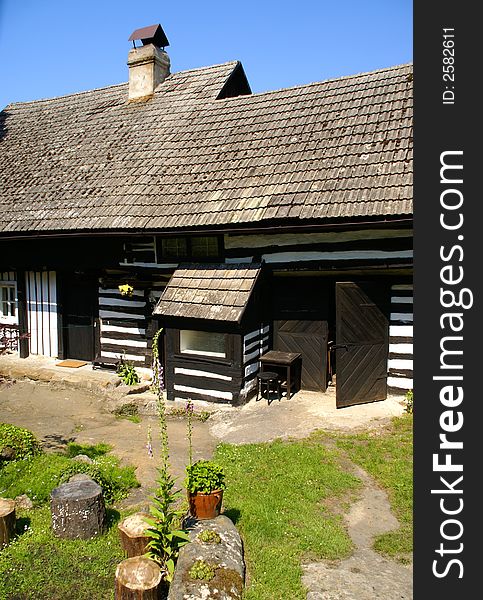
<point>285,497</point>
<point>276,495</point>
<point>37,476</point>
<point>389,459</point>
<point>37,564</point>
<point>280,494</point>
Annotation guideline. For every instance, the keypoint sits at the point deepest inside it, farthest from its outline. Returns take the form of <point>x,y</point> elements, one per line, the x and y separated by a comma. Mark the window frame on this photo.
<point>189,257</point>
<point>8,318</point>
<point>226,360</point>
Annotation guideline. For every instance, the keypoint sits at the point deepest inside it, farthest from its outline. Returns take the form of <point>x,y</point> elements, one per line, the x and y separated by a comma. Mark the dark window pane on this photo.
<point>174,247</point>
<point>206,246</point>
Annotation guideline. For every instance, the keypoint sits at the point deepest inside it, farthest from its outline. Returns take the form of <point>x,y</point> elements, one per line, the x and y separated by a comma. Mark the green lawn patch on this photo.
<point>39,565</point>
<point>278,494</point>
<point>37,476</point>
<point>388,457</point>
<point>90,450</point>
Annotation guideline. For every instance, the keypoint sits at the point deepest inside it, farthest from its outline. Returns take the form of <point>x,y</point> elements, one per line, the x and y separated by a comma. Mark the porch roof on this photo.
<point>217,292</point>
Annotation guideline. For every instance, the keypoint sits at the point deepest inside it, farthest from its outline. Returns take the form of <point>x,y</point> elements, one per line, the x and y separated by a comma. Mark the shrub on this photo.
<point>37,476</point>
<point>127,373</point>
<point>204,476</point>
<point>21,442</point>
<point>115,481</point>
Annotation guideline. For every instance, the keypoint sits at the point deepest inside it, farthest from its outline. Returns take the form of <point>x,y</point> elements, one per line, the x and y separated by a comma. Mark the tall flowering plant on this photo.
<point>167,536</point>
<point>189,414</point>
<point>157,367</point>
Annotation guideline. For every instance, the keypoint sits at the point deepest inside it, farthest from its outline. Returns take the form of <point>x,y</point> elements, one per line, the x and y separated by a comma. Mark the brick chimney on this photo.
<point>148,64</point>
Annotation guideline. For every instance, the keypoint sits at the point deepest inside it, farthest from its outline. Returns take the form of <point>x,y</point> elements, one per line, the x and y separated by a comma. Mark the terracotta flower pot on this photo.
<point>205,506</point>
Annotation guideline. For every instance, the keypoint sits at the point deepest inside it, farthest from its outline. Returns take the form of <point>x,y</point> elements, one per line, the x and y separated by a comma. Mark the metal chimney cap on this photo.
<point>153,34</point>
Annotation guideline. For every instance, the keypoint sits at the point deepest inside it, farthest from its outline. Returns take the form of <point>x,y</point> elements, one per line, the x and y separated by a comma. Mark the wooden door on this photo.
<point>309,338</point>
<point>79,315</point>
<point>362,335</point>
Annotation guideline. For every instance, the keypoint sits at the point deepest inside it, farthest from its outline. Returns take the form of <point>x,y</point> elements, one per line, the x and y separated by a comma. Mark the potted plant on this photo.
<point>205,483</point>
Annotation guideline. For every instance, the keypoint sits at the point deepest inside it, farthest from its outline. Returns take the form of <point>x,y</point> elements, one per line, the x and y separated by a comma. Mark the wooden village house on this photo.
<point>241,222</point>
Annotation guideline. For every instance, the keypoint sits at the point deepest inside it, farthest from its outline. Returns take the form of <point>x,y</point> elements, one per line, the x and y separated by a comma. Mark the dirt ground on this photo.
<point>260,421</point>
<point>58,416</point>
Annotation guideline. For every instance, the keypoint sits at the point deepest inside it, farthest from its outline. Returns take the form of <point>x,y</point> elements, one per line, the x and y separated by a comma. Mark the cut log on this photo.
<point>132,531</point>
<point>7,521</point>
<point>78,510</point>
<point>138,578</point>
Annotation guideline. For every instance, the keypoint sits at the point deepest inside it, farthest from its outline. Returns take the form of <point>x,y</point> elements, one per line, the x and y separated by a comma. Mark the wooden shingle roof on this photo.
<point>185,159</point>
<point>215,292</point>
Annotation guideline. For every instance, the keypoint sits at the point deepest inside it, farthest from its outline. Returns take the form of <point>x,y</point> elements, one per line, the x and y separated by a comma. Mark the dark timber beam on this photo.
<point>23,342</point>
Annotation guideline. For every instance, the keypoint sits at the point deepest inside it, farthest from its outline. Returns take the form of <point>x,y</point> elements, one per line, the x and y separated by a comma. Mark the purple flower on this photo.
<point>149,444</point>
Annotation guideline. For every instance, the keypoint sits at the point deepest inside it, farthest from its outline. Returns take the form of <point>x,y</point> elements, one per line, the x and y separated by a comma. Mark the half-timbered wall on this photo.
<point>123,326</point>
<point>199,378</point>
<point>41,288</point>
<point>125,322</point>
<point>400,364</point>
<point>344,249</point>
<point>203,381</point>
<point>255,343</point>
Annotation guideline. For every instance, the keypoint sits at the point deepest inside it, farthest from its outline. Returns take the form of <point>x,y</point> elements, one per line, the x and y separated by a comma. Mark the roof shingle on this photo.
<point>91,161</point>
<point>215,292</point>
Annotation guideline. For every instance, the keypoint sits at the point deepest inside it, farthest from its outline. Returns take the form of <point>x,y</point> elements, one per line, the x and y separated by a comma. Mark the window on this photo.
<point>174,247</point>
<point>204,247</point>
<point>205,343</point>
<point>189,248</point>
<point>8,302</point>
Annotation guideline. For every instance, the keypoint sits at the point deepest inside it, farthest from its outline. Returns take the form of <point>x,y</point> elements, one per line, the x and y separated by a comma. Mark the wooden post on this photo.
<point>132,531</point>
<point>78,510</point>
<point>60,316</point>
<point>7,521</point>
<point>137,578</point>
<point>23,343</point>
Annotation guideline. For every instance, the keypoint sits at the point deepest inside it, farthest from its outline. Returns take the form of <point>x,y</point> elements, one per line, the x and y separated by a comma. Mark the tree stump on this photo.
<point>137,578</point>
<point>78,510</point>
<point>132,531</point>
<point>7,521</point>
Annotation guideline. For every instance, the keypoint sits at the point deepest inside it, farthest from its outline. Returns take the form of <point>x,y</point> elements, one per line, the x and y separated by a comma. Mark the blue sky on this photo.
<point>54,47</point>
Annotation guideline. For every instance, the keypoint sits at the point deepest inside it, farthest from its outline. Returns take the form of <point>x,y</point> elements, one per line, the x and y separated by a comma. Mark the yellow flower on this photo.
<point>126,289</point>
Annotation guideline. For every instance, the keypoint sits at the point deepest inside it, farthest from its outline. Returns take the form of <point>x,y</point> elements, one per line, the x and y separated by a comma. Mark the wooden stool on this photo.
<point>271,382</point>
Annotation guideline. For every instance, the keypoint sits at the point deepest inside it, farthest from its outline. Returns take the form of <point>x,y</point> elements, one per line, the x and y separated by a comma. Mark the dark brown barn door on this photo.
<point>79,314</point>
<point>362,343</point>
<point>310,339</point>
